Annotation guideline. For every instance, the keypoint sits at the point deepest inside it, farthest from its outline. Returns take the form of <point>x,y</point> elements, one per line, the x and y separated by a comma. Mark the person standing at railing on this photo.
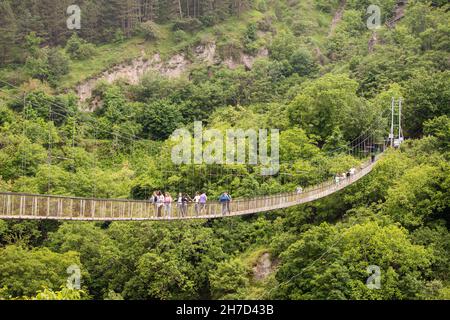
<point>168,204</point>
<point>197,203</point>
<point>180,204</point>
<point>225,200</point>
<point>202,200</point>
<point>185,199</point>
<point>299,190</point>
<point>337,179</point>
<point>159,203</point>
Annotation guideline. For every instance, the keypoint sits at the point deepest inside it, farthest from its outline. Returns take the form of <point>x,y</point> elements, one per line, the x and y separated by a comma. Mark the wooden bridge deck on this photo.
<point>47,207</point>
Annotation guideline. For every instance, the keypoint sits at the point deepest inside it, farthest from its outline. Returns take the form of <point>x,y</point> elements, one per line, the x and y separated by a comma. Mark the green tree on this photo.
<point>419,196</point>
<point>98,253</point>
<point>328,103</point>
<point>427,96</point>
<point>439,127</point>
<point>79,49</point>
<point>346,252</point>
<point>229,277</point>
<point>159,119</point>
<point>39,268</point>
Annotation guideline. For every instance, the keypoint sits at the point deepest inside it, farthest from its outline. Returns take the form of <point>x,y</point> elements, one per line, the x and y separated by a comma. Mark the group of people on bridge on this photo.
<point>346,175</point>
<point>163,203</point>
<point>338,179</point>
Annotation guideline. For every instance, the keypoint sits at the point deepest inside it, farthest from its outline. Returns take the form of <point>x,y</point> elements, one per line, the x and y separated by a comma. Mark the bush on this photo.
<point>150,30</point>
<point>47,64</point>
<point>326,5</point>
<point>266,23</point>
<point>208,21</point>
<point>250,37</point>
<point>79,49</point>
<point>303,63</point>
<point>229,277</point>
<point>188,25</point>
<point>261,5</point>
<point>180,36</point>
<point>119,36</point>
<point>58,64</point>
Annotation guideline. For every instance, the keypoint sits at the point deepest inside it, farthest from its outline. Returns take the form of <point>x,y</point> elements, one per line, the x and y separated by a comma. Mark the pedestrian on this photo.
<point>299,190</point>
<point>159,203</point>
<point>225,200</point>
<point>180,204</point>
<point>202,200</point>
<point>168,204</point>
<point>197,203</point>
<point>151,199</point>
<point>154,200</point>
<point>184,204</point>
<point>337,180</point>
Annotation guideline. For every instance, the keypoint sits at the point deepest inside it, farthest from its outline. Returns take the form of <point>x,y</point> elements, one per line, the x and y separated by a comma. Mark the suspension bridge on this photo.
<point>47,207</point>
<point>23,206</point>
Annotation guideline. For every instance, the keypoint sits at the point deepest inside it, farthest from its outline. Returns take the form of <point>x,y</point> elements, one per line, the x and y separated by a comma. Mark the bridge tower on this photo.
<point>396,123</point>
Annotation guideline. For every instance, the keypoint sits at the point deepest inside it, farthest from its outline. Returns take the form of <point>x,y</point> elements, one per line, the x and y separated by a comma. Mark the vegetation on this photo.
<point>321,88</point>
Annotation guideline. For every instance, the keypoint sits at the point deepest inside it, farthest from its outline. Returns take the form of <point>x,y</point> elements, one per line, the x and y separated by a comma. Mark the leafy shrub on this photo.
<point>150,30</point>
<point>188,25</point>
<point>180,36</point>
<point>79,49</point>
<point>119,36</point>
<point>47,64</point>
<point>265,24</point>
<point>208,21</point>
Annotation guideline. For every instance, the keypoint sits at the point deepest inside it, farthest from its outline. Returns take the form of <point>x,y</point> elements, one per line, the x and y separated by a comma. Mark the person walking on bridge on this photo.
<point>225,200</point>
<point>337,179</point>
<point>182,204</point>
<point>159,203</point>
<point>202,201</point>
<point>197,203</point>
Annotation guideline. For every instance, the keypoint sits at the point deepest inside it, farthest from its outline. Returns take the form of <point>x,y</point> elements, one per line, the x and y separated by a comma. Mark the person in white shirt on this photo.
<point>197,203</point>
<point>159,203</point>
<point>168,204</point>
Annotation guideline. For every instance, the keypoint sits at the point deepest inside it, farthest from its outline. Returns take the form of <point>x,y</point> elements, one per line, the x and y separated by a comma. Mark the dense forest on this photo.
<point>310,68</point>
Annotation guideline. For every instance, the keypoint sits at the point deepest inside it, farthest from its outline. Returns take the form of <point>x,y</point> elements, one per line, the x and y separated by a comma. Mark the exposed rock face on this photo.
<point>373,41</point>
<point>319,56</point>
<point>337,16</point>
<point>245,59</point>
<point>178,64</point>
<point>131,72</point>
<point>207,53</point>
<point>174,67</point>
<point>399,13</point>
<point>264,267</point>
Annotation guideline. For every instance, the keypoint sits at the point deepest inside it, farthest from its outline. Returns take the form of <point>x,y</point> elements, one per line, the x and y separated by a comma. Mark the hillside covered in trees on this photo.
<point>89,113</point>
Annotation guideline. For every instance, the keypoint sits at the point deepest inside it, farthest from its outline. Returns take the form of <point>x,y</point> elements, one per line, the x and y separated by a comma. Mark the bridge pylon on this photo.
<point>396,124</point>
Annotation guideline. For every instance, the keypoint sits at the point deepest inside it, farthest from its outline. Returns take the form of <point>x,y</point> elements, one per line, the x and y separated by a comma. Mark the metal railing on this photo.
<point>48,207</point>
